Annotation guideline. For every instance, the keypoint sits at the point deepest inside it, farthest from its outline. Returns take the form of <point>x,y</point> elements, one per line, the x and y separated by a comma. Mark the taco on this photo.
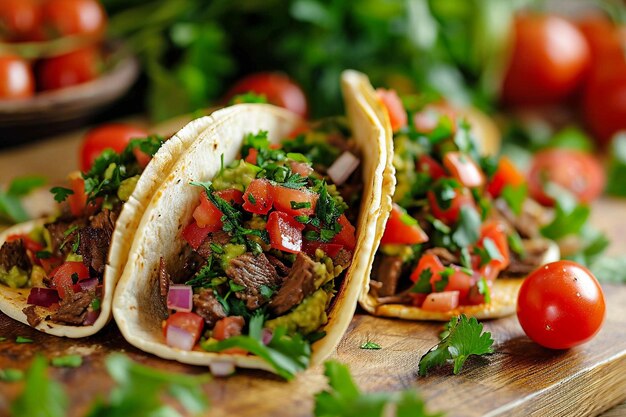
<point>462,231</point>
<point>58,274</point>
<point>257,243</point>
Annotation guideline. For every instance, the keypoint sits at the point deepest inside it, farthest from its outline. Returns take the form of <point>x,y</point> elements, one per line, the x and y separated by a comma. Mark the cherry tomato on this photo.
<point>464,169</point>
<point>395,108</point>
<point>441,301</point>
<point>506,174</point>
<point>346,237</point>
<point>561,305</point>
<point>258,197</point>
<point>73,68</point>
<point>16,78</point>
<point>578,172</point>
<point>294,202</point>
<point>114,136</point>
<point>74,17</point>
<point>603,104</point>
<point>19,20</point>
<point>450,215</point>
<point>402,229</point>
<point>278,88</point>
<point>548,61</point>
<point>207,215</point>
<point>285,232</point>
<point>605,40</point>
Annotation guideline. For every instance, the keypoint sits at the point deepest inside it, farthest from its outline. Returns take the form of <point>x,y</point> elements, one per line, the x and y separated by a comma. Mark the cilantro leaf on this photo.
<point>465,338</point>
<point>515,197</point>
<point>41,395</point>
<point>467,230</point>
<point>445,275</point>
<point>61,193</point>
<point>483,288</point>
<point>423,285</point>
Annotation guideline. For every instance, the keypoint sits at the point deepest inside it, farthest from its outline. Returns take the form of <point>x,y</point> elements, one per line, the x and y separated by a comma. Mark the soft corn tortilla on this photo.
<point>138,307</point>
<point>13,301</point>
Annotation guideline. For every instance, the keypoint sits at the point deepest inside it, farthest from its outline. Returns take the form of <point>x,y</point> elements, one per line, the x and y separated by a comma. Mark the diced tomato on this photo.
<point>395,109</point>
<point>451,214</point>
<point>506,174</point>
<point>228,327</point>
<point>461,282</point>
<point>330,249</point>
<point>402,229</point>
<point>497,233</point>
<point>301,168</point>
<point>49,264</point>
<point>207,215</point>
<point>275,146</point>
<point>195,235</point>
<point>474,297</point>
<point>252,155</point>
<point>347,236</point>
<point>187,326</point>
<point>462,167</point>
<point>285,232</point>
<point>231,195</point>
<point>427,261</point>
<point>78,200</point>
<point>143,159</point>
<point>284,198</point>
<point>441,301</point>
<point>431,167</point>
<point>29,243</point>
<point>67,275</point>
<point>258,197</point>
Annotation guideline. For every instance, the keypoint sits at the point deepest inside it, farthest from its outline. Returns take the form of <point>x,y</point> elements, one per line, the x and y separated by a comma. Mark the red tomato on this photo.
<point>603,104</point>
<point>252,155</point>
<point>195,235</point>
<point>605,40</point>
<point>394,106</point>
<point>228,327</point>
<point>548,61</point>
<point>190,323</point>
<point>284,197</point>
<point>474,297</point>
<point>78,200</point>
<point>301,168</point>
<point>578,172</point>
<point>279,90</point>
<point>114,136</point>
<point>461,282</point>
<point>561,305</point>
<point>29,243</point>
<point>402,229</point>
<point>451,214</point>
<point>330,249</point>
<point>19,20</point>
<point>73,68</point>
<point>441,301</point>
<point>231,195</point>
<point>285,233</point>
<point>431,167</point>
<point>64,275</point>
<point>506,174</point>
<point>258,197</point>
<point>346,237</point>
<point>74,17</point>
<point>427,261</point>
<point>16,78</point>
<point>207,215</point>
<point>464,169</point>
<point>497,233</point>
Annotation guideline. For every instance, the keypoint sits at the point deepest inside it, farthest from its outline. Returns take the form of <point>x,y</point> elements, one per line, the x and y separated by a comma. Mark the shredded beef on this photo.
<point>14,254</point>
<point>252,272</point>
<point>300,283</point>
<point>164,278</point>
<point>218,238</point>
<point>73,309</point>
<point>61,241</point>
<point>388,272</point>
<point>281,268</point>
<point>445,256</point>
<point>95,240</point>
<point>528,222</point>
<point>31,315</point>
<point>343,258</point>
<point>206,306</point>
<point>535,250</point>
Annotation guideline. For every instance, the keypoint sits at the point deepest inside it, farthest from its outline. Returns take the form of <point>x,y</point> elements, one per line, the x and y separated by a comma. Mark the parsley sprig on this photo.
<point>463,338</point>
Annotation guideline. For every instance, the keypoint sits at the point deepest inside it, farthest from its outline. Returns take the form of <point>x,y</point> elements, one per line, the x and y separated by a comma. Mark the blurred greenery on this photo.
<point>193,50</point>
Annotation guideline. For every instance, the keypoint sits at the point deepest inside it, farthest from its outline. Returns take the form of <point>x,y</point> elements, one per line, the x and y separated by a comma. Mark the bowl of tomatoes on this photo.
<point>57,70</point>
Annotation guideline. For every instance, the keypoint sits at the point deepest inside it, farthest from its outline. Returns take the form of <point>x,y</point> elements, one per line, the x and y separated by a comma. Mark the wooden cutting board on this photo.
<point>521,378</point>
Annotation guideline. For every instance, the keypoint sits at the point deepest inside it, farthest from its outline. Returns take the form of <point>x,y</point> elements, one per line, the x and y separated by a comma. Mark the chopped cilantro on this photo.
<point>11,375</point>
<point>569,215</point>
<point>439,225</point>
<point>300,205</point>
<point>445,275</point>
<point>248,97</point>
<point>423,285</point>
<point>515,197</point>
<point>466,260</point>
<point>215,248</point>
<point>302,219</point>
<point>515,243</point>
<point>483,288</point>
<point>61,193</point>
<point>445,191</point>
<point>43,254</point>
<point>266,292</point>
<point>465,338</point>
<point>235,287</point>
<point>68,361</point>
<point>467,230</point>
<point>41,396</point>
<point>369,345</point>
<point>96,304</point>
<point>74,277</point>
<point>251,199</point>
<point>22,339</point>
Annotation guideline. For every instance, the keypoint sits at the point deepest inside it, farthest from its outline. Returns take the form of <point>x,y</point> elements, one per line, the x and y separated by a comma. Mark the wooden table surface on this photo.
<point>521,378</point>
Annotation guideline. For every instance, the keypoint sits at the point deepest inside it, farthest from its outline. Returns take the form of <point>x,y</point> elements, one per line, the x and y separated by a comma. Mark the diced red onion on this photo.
<point>222,368</point>
<point>88,284</point>
<point>179,338</point>
<point>91,317</point>
<point>266,336</point>
<point>43,297</point>
<point>180,298</point>
<point>343,166</point>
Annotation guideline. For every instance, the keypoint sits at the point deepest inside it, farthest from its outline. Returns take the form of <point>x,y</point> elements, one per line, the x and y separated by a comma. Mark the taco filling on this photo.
<point>269,241</point>
<point>460,219</point>
<point>63,260</point>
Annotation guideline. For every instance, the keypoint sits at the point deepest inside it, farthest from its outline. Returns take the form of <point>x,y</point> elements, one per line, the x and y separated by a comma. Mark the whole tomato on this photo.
<point>577,172</point>
<point>110,136</point>
<point>19,20</point>
<point>548,61</point>
<point>74,17</point>
<point>74,68</point>
<point>561,305</point>
<point>278,88</point>
<point>16,78</point>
